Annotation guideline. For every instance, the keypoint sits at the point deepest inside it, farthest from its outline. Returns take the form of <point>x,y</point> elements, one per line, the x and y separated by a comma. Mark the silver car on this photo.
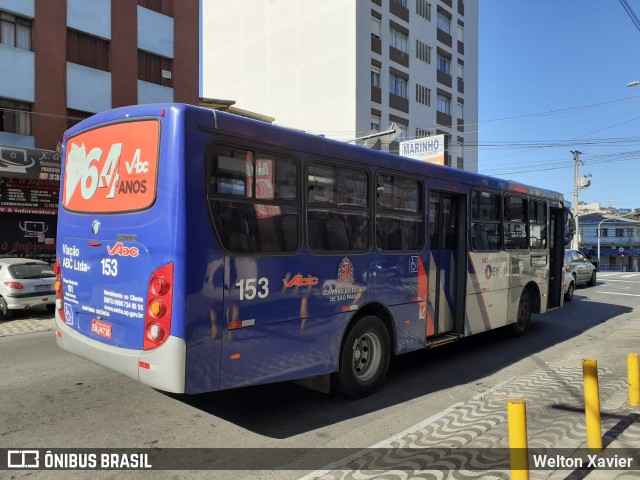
<point>580,267</point>
<point>568,285</point>
<point>25,283</point>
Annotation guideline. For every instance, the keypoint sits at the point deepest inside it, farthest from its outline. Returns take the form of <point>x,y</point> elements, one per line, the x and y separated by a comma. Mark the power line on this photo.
<point>632,15</point>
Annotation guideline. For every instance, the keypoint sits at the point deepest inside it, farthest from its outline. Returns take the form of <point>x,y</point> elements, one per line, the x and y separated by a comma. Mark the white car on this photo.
<point>25,283</point>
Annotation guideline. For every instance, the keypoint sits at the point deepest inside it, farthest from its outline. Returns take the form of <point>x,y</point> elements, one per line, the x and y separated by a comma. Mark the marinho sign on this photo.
<point>429,149</point>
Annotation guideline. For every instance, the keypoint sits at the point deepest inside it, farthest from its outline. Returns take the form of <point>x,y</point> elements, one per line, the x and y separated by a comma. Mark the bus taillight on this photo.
<point>157,322</point>
<point>57,286</point>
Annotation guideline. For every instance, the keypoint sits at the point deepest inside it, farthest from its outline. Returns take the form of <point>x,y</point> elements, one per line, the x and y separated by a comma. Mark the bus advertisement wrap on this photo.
<point>112,169</point>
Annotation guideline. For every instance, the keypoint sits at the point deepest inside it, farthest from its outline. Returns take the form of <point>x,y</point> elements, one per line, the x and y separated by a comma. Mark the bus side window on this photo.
<point>238,242</point>
<point>486,227</point>
<point>399,222</point>
<point>253,197</point>
<point>337,208</point>
<point>290,232</point>
<point>479,239</point>
<point>314,233</point>
<point>337,238</point>
<point>538,224</point>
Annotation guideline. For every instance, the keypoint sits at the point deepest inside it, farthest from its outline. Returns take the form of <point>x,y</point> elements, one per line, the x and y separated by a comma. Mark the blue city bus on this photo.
<point>199,251</point>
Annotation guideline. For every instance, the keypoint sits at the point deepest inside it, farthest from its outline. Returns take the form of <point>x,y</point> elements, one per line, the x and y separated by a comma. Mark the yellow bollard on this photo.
<point>517,419</point>
<point>633,375</point>
<point>592,404</point>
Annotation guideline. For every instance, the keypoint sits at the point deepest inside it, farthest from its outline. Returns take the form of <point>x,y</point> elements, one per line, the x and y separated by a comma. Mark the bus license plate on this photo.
<point>101,328</point>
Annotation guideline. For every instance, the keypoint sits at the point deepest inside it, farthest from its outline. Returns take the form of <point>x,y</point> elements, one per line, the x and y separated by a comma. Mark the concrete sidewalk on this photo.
<point>470,439</point>
<point>37,323</point>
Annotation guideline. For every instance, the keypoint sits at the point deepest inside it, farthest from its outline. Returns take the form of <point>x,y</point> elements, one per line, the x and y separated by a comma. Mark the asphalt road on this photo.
<point>51,399</point>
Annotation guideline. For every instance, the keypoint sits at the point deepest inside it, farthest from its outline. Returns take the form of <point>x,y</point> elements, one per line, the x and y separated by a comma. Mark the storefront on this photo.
<point>29,187</point>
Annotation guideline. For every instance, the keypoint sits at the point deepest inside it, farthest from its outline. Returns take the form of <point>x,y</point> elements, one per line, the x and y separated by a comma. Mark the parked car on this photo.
<point>25,283</point>
<point>568,285</point>
<point>576,263</point>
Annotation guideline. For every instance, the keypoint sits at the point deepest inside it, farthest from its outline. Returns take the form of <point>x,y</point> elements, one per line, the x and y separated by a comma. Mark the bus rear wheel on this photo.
<point>524,315</point>
<point>364,358</point>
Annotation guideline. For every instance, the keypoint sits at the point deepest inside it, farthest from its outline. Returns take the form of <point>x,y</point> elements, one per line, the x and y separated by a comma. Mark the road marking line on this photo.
<point>623,281</point>
<point>616,293</point>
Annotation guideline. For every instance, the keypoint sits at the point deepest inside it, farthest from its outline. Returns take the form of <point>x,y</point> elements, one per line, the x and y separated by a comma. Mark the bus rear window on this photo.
<point>112,169</point>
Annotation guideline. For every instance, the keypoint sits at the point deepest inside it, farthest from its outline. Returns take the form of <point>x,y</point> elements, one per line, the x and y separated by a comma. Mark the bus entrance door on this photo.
<point>447,268</point>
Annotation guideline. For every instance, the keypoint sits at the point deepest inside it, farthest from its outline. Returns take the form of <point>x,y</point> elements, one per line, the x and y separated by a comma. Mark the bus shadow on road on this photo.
<point>283,410</point>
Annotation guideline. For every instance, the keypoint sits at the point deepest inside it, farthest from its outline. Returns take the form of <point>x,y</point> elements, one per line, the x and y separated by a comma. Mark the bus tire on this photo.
<point>364,358</point>
<point>524,315</point>
<point>5,313</point>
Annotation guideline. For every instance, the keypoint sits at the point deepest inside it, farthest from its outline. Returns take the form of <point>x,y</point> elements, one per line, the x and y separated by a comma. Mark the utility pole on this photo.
<point>576,186</point>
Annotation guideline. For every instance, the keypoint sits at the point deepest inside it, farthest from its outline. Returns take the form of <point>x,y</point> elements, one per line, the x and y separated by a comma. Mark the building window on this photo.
<point>423,51</point>
<point>461,110</point>
<point>76,116</point>
<point>619,232</point>
<point>423,95</point>
<point>161,6</point>
<point>155,69</point>
<point>423,8</point>
<point>444,23</point>
<point>460,71</point>
<point>375,76</point>
<point>460,33</point>
<point>404,128</point>
<point>398,40</point>
<point>15,117</point>
<point>375,27</point>
<point>401,2</point>
<point>375,122</point>
<point>398,85</point>
<point>444,104</point>
<point>460,146</point>
<point>444,64</point>
<point>422,133</point>
<point>15,31</point>
<point>87,50</point>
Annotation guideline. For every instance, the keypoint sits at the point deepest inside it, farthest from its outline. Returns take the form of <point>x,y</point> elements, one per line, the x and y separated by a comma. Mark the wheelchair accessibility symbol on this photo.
<point>413,264</point>
<point>68,314</point>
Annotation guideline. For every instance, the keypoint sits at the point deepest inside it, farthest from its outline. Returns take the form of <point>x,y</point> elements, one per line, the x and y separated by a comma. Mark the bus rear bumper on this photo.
<point>162,368</point>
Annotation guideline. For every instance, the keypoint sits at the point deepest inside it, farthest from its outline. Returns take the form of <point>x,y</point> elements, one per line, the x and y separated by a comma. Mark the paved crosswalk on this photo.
<point>618,275</point>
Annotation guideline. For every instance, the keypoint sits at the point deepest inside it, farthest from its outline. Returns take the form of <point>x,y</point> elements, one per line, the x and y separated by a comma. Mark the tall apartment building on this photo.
<point>346,67</point>
<point>63,60</point>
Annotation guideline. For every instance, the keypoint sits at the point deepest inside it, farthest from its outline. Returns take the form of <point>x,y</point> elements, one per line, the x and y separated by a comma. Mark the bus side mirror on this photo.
<point>570,226</point>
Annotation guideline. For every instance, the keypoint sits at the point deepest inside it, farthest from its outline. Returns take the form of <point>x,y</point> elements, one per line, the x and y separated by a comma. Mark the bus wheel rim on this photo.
<point>367,356</point>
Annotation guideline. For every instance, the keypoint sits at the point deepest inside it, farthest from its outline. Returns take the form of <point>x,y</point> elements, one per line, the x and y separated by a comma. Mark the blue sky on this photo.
<point>552,79</point>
